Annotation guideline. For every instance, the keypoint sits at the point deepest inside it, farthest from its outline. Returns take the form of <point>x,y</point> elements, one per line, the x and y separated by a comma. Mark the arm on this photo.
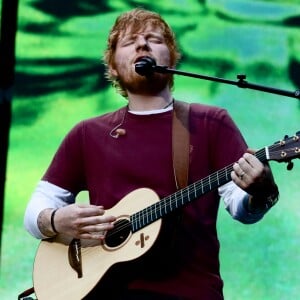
<point>45,198</point>
<point>257,180</point>
<point>78,221</point>
<point>236,203</point>
<point>243,206</point>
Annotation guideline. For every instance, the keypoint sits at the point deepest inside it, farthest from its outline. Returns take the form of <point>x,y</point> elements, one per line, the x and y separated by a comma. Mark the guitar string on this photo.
<point>215,177</point>
<point>167,202</point>
<point>147,213</point>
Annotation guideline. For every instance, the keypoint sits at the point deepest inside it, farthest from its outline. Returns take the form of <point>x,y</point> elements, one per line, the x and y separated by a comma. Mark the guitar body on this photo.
<point>53,274</point>
<point>66,268</point>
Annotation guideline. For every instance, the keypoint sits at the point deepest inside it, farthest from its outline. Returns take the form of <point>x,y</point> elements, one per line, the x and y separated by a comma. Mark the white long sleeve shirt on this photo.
<point>48,195</point>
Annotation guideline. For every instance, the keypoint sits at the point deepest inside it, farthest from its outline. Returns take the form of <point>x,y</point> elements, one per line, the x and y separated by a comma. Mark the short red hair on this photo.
<point>138,19</point>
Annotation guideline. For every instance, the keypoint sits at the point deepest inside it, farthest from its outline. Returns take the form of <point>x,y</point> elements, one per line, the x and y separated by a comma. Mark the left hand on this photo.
<point>254,177</point>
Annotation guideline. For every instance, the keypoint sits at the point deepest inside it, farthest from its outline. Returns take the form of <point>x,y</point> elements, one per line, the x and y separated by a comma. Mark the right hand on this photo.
<point>83,221</point>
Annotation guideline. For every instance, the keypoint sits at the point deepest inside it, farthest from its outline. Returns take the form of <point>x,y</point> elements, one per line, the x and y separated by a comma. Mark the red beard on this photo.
<point>147,85</point>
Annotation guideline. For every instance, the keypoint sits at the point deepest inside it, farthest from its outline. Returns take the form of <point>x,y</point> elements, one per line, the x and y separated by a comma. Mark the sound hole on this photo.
<point>118,234</point>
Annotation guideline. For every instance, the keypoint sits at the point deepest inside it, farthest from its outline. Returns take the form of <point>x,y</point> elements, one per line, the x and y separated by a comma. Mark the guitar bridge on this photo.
<point>74,254</point>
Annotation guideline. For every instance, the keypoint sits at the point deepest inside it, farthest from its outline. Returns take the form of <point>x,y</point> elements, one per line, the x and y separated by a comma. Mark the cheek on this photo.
<point>120,65</point>
<point>165,56</point>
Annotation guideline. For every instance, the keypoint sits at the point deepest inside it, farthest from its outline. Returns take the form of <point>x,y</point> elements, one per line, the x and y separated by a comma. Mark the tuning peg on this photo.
<point>290,165</point>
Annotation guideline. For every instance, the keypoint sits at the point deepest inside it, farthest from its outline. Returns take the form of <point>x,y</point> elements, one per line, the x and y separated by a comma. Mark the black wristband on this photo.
<point>265,202</point>
<point>52,220</point>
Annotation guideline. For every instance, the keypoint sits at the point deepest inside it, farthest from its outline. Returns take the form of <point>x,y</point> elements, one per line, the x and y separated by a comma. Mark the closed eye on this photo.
<point>155,40</point>
<point>127,42</point>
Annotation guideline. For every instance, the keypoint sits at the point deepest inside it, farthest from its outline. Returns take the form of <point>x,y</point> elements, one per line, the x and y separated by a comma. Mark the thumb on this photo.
<point>251,151</point>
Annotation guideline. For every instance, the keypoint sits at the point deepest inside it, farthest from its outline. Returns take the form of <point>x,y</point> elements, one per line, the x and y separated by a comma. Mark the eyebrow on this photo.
<point>146,34</point>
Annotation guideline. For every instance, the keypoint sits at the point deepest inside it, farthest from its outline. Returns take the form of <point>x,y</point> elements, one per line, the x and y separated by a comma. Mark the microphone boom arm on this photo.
<point>241,82</point>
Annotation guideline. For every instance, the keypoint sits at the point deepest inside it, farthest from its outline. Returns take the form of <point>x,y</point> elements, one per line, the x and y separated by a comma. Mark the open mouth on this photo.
<point>140,58</point>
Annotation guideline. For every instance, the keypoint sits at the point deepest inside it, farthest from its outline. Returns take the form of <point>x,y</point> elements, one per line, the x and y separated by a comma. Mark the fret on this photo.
<point>209,182</point>
<point>135,217</point>
<point>184,196</point>
<point>175,201</point>
<point>139,219</point>
<point>188,195</point>
<point>170,204</point>
<point>132,223</point>
<point>192,192</point>
<point>195,190</point>
<point>165,208</point>
<point>160,211</point>
<point>133,220</point>
<point>147,214</point>
<point>151,214</point>
<point>228,172</point>
<point>142,218</point>
<point>155,211</point>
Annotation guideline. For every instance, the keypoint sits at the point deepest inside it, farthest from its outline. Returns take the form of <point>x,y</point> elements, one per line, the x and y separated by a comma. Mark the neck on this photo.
<point>138,102</point>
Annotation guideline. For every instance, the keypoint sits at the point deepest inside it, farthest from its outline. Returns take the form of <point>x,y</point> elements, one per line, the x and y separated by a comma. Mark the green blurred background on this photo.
<point>59,81</point>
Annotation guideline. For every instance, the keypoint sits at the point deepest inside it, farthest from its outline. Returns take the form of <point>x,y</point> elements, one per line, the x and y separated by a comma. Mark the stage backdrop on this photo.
<point>60,81</point>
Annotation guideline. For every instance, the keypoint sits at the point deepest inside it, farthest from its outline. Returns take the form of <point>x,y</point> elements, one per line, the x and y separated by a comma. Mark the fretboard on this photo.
<point>184,196</point>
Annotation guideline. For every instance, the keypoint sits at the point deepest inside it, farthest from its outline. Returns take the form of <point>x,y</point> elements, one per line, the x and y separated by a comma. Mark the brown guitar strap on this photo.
<point>181,155</point>
<point>180,148</point>
<point>181,143</point>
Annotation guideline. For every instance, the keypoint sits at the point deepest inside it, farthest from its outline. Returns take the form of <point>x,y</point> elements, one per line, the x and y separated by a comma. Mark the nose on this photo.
<point>141,42</point>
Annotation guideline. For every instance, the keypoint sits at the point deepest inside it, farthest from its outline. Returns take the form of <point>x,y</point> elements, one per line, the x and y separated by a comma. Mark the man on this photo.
<point>114,154</point>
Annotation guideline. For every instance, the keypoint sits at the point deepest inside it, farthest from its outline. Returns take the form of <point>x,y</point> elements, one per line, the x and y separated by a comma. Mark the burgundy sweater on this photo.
<point>90,159</point>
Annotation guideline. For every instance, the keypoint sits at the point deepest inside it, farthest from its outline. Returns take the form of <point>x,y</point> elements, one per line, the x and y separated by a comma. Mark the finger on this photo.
<point>240,182</point>
<point>95,220</point>
<point>253,161</point>
<point>97,228</point>
<point>249,168</point>
<point>91,236</point>
<point>244,165</point>
<point>251,151</point>
<point>90,210</point>
<point>239,172</point>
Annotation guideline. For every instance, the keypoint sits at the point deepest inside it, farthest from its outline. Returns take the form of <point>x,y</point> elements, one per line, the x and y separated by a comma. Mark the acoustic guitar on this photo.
<point>67,268</point>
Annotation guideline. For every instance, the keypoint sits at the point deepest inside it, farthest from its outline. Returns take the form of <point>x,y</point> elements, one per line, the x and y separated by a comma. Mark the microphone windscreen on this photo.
<point>145,66</point>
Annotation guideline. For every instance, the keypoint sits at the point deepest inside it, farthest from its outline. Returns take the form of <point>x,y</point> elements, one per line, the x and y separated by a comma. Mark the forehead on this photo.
<point>141,29</point>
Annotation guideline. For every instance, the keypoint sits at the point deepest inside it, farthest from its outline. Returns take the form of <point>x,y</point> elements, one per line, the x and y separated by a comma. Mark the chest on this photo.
<point>142,157</point>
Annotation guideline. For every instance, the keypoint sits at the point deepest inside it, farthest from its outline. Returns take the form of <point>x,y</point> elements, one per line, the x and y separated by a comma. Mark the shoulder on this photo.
<point>200,110</point>
<point>203,110</point>
<point>109,117</point>
<point>210,117</point>
<point>100,122</point>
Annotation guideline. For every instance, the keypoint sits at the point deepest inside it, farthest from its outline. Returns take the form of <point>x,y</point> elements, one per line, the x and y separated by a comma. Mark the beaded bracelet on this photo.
<point>52,220</point>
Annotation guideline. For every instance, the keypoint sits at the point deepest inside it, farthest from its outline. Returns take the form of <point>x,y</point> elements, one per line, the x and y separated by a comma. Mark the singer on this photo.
<point>114,155</point>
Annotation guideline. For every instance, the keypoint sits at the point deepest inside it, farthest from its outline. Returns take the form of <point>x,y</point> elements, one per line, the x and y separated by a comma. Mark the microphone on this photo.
<point>145,66</point>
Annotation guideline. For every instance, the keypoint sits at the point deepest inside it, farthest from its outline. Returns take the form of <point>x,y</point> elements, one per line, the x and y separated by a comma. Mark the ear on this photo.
<point>113,71</point>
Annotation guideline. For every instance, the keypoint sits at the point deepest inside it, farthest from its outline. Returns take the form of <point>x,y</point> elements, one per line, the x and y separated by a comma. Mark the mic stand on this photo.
<point>241,82</point>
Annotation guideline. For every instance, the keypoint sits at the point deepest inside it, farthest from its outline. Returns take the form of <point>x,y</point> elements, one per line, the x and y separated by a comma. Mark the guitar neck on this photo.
<point>186,195</point>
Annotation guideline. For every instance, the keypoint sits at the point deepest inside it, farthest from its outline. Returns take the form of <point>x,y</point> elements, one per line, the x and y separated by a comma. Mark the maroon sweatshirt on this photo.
<point>185,259</point>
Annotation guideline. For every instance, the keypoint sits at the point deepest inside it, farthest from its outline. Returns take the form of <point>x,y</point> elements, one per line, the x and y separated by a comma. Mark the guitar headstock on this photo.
<point>286,149</point>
